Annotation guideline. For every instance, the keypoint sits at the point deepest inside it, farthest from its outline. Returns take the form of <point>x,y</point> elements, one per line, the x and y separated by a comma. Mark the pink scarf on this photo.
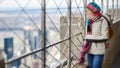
<point>91,21</point>
<point>87,45</point>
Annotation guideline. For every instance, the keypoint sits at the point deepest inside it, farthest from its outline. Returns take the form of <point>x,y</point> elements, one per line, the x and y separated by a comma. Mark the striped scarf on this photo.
<point>91,21</point>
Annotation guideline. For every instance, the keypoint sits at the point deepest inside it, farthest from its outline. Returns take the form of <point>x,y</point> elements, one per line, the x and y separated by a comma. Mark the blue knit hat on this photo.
<point>94,7</point>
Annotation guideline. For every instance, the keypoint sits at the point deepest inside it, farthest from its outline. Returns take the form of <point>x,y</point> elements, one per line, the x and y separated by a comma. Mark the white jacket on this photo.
<point>100,31</point>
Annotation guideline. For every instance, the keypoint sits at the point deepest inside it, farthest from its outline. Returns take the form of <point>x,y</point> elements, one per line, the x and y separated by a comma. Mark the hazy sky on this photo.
<point>12,4</point>
<point>36,3</point>
<point>8,4</point>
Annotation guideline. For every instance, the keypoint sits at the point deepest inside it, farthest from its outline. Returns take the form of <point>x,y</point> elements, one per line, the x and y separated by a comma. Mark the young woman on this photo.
<point>97,33</point>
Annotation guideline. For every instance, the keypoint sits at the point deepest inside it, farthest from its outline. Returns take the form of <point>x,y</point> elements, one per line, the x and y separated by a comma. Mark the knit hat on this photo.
<point>94,7</point>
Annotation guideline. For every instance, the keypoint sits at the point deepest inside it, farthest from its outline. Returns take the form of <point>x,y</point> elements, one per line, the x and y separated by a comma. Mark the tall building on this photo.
<point>9,50</point>
<point>28,35</point>
<point>8,47</point>
<point>33,36</point>
<point>76,28</point>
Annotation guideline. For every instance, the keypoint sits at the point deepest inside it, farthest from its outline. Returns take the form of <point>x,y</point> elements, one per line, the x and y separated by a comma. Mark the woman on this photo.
<point>97,33</point>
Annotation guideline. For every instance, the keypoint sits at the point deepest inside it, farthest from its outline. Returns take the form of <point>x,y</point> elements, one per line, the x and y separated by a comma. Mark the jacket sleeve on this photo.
<point>104,34</point>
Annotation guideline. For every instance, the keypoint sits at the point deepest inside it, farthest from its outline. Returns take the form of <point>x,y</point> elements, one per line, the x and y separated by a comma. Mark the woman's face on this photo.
<point>89,13</point>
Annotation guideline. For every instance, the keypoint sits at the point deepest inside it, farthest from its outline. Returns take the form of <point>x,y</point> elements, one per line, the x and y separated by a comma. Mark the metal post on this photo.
<point>69,25</point>
<point>113,9</point>
<point>43,30</point>
<point>117,9</point>
<point>117,6</point>
<point>85,15</point>
<point>118,3</point>
<point>85,3</point>
<point>102,5</point>
<point>107,4</point>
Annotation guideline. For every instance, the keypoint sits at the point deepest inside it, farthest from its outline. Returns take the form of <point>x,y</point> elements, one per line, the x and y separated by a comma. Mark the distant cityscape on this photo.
<point>19,35</point>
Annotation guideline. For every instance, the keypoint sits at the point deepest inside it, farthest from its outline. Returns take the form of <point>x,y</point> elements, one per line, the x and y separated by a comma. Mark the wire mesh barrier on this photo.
<point>41,49</point>
<point>46,33</point>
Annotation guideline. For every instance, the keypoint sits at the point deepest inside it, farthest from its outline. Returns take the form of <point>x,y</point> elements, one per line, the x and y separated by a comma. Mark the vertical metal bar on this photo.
<point>85,15</point>
<point>117,4</point>
<point>113,9</point>
<point>107,4</point>
<point>69,25</point>
<point>85,3</point>
<point>116,8</point>
<point>43,30</point>
<point>102,5</point>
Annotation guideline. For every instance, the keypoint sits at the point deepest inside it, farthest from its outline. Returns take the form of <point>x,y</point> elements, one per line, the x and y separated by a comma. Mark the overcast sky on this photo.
<point>36,3</point>
<point>31,3</point>
<point>8,4</point>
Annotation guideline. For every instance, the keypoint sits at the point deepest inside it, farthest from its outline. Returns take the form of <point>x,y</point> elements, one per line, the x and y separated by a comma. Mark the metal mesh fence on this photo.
<point>45,33</point>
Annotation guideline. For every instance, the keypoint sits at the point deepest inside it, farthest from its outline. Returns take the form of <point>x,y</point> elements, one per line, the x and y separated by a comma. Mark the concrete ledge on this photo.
<point>116,21</point>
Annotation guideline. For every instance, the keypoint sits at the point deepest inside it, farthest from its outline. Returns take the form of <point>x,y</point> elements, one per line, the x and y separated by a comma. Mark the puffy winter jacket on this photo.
<point>100,33</point>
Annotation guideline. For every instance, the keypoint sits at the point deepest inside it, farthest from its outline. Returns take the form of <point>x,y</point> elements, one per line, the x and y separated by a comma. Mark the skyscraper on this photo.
<point>8,47</point>
<point>9,50</point>
<point>28,35</point>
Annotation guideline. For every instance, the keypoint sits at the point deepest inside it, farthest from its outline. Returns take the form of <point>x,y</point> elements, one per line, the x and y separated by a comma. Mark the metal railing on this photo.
<point>40,49</point>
